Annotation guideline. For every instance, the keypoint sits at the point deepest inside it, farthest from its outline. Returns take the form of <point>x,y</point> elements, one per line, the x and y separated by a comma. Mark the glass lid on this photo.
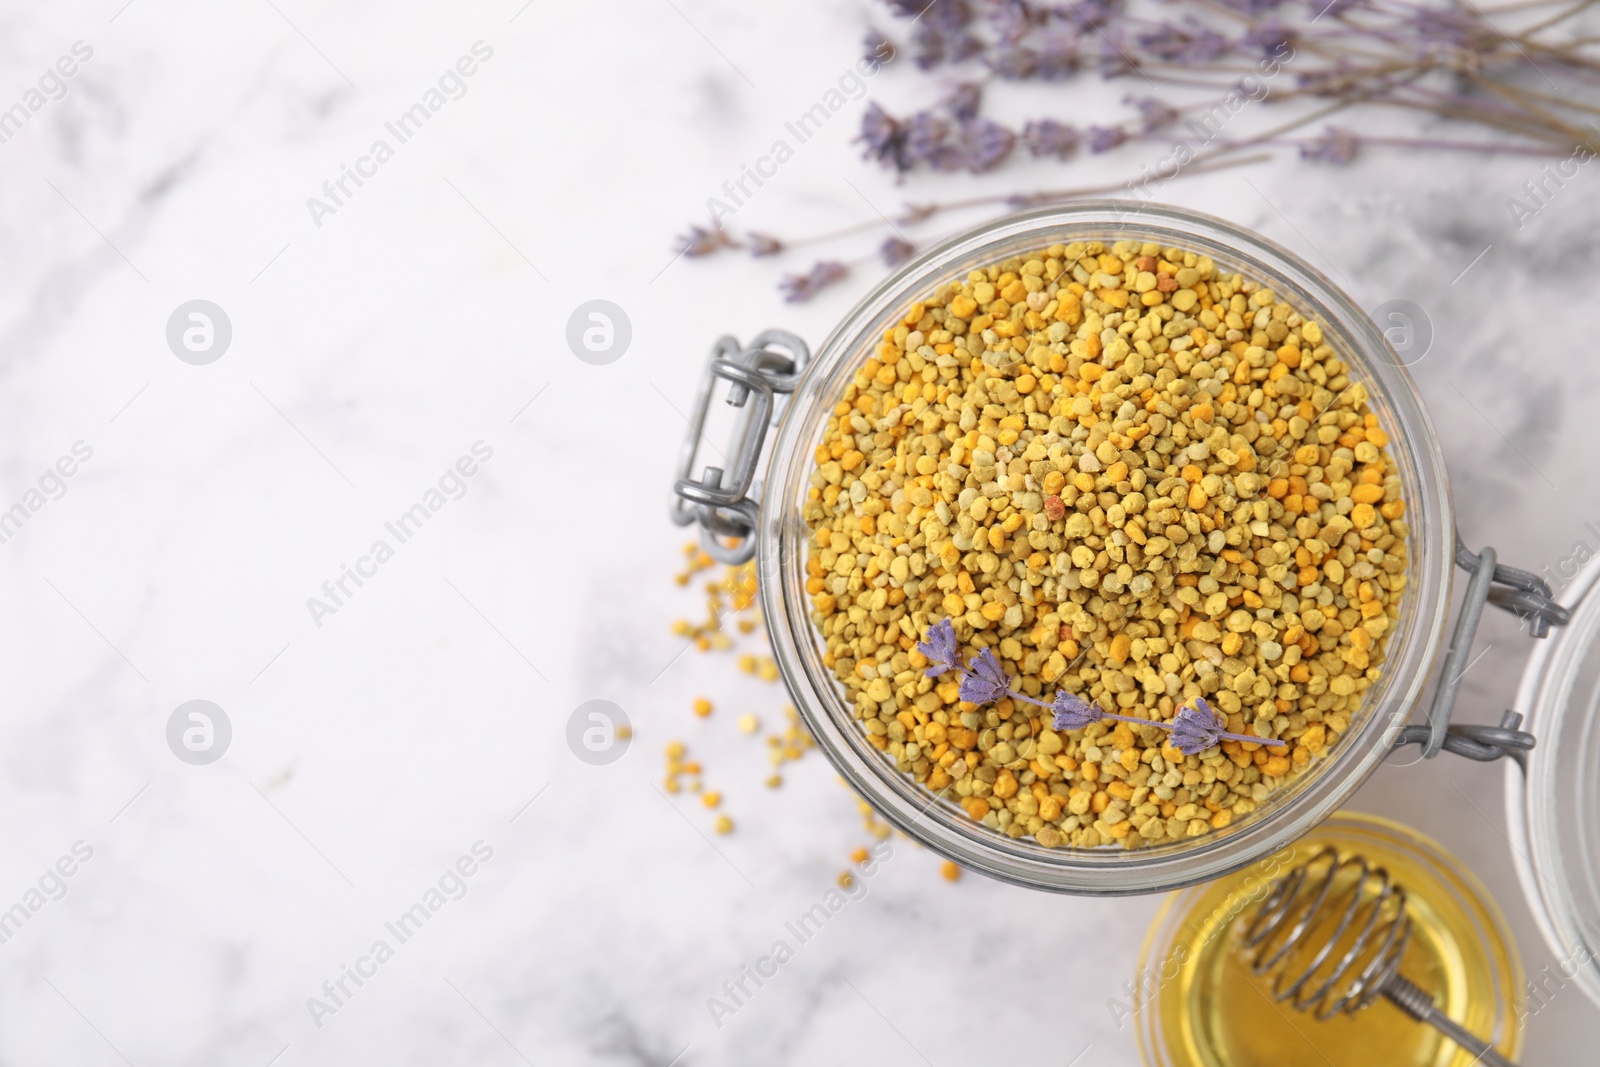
<point>1554,808</point>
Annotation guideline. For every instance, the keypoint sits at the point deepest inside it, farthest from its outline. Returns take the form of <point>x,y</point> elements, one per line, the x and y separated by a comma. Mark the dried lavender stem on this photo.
<point>1043,196</point>
<point>1553,121</point>
<point>1590,108</point>
<point>1559,17</point>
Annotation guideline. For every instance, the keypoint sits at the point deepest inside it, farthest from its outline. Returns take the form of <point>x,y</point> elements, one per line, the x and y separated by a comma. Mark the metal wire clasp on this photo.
<point>724,500</point>
<point>1524,595</point>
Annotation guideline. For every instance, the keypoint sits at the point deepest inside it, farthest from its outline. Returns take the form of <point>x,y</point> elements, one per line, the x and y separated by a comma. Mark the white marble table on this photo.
<point>420,716</point>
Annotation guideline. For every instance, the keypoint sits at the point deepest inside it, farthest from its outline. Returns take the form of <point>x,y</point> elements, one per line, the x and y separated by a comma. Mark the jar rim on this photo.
<point>1413,643</point>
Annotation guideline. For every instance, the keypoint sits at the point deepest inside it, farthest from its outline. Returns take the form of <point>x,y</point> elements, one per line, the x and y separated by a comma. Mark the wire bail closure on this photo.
<point>1526,596</point>
<point>726,501</point>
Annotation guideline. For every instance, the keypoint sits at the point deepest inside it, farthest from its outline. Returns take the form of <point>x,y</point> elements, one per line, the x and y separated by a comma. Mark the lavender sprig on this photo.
<point>984,681</point>
<point>1361,53</point>
<point>798,288</point>
<point>895,251</point>
<point>1436,58</point>
<point>1195,729</point>
<point>941,649</point>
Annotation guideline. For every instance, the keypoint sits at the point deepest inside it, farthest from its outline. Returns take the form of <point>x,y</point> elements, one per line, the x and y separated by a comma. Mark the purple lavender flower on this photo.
<point>985,681</point>
<point>1337,146</point>
<point>1195,729</point>
<point>1166,41</point>
<point>987,144</point>
<point>1153,113</point>
<point>798,288</point>
<point>925,135</point>
<point>1058,54</point>
<point>895,251</point>
<point>927,46</point>
<point>940,648</point>
<point>762,245</point>
<point>1198,728</point>
<point>1013,63</point>
<point>1269,36</point>
<point>931,141</point>
<point>961,47</point>
<point>1197,44</point>
<point>1253,8</point>
<point>1011,19</point>
<point>1437,26</point>
<point>1090,15</point>
<point>932,45</point>
<point>1321,9</point>
<point>1112,59</point>
<point>884,137</point>
<point>873,45</point>
<point>1337,78</point>
<point>1072,712</point>
<point>1105,138</point>
<point>700,241</point>
<point>1205,46</point>
<point>964,101</point>
<point>945,14</point>
<point>1047,137</point>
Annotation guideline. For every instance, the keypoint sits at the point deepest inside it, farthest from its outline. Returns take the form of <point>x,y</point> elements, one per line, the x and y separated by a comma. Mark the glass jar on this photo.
<point>765,522</point>
<point>1553,803</point>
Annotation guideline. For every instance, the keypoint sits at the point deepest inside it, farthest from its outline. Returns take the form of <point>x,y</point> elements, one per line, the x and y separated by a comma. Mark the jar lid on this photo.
<point>1553,807</point>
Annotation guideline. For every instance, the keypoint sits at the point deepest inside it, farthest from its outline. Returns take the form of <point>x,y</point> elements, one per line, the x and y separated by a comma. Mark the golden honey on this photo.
<point>1196,1003</point>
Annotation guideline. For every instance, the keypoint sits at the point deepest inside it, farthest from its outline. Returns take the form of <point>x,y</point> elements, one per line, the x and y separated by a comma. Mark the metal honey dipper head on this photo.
<point>1333,932</point>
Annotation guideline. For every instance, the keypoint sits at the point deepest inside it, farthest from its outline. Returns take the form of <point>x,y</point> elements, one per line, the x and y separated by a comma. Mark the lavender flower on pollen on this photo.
<point>1195,729</point>
<point>1072,712</point>
<point>985,681</point>
<point>940,649</point>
